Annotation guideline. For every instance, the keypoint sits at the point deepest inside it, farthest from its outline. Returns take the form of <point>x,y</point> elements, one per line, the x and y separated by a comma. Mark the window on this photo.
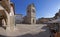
<point>28,11</point>
<point>33,20</point>
<point>33,10</point>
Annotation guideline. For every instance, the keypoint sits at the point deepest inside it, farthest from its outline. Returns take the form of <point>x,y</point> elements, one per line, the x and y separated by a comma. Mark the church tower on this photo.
<point>31,14</point>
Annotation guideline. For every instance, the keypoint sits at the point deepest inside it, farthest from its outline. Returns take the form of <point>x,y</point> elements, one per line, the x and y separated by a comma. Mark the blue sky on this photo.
<point>44,8</point>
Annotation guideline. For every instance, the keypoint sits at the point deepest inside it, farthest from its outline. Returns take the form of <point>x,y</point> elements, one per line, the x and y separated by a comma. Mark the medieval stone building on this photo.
<point>30,18</point>
<point>18,18</point>
<point>6,14</point>
<point>45,20</point>
<point>57,15</point>
<point>31,14</point>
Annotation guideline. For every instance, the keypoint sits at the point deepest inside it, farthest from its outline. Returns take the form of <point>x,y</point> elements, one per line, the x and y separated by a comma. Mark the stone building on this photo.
<point>7,14</point>
<point>31,14</point>
<point>43,20</point>
<point>18,18</point>
<point>25,20</point>
<point>57,15</point>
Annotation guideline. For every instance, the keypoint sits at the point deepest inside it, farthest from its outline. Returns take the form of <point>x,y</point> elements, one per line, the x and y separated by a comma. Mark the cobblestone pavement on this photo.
<point>27,31</point>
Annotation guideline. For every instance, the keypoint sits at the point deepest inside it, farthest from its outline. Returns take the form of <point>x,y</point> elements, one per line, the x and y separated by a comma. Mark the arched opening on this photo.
<point>3,21</point>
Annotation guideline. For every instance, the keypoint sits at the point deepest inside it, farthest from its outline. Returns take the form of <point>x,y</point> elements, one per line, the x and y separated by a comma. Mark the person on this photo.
<point>53,31</point>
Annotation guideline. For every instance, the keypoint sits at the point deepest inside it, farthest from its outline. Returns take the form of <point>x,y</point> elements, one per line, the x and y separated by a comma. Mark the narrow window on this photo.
<point>33,20</point>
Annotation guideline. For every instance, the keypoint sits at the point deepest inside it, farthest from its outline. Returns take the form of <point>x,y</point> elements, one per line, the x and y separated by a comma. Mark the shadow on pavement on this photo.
<point>41,34</point>
<point>44,27</point>
<point>2,36</point>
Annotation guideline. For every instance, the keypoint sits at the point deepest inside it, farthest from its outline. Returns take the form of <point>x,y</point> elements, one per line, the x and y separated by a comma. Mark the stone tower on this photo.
<point>31,14</point>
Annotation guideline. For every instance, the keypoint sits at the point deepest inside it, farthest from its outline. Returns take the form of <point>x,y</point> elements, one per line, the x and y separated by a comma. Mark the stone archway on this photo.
<point>3,17</point>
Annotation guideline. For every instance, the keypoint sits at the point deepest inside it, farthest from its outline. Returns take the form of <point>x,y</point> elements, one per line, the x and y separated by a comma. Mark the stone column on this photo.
<point>12,22</point>
<point>8,23</point>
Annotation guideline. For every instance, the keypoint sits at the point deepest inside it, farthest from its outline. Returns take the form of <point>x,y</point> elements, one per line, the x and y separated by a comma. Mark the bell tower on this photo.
<point>31,14</point>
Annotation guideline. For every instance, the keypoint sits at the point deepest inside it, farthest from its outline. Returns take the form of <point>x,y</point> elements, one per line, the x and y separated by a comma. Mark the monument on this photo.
<point>7,14</point>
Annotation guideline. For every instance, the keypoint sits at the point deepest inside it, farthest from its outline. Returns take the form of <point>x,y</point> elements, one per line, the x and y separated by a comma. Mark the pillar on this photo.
<point>11,23</point>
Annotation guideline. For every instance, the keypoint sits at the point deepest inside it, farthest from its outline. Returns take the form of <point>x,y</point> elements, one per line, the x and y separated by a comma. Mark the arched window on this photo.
<point>33,10</point>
